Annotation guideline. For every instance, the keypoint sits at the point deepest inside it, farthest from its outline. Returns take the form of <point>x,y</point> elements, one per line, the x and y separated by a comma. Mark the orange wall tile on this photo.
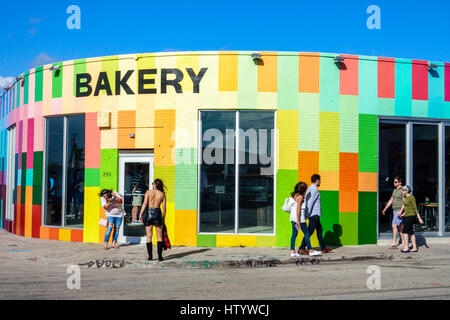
<point>267,72</point>
<point>228,71</point>
<point>348,172</point>
<point>308,164</point>
<point>368,181</point>
<point>348,75</point>
<point>164,145</point>
<point>348,201</point>
<point>126,123</point>
<point>309,72</point>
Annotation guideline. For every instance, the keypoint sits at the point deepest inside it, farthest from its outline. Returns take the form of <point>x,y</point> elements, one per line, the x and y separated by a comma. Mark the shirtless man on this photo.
<point>153,216</point>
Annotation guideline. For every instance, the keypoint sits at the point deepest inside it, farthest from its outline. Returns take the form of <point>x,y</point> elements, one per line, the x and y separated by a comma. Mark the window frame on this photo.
<point>236,163</point>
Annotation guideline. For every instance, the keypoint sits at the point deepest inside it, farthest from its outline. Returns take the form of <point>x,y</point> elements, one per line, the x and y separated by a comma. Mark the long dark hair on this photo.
<point>159,185</point>
<point>105,191</point>
<point>300,188</point>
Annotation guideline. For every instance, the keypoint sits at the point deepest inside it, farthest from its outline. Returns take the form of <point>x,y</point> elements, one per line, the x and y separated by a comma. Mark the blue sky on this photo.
<point>35,32</point>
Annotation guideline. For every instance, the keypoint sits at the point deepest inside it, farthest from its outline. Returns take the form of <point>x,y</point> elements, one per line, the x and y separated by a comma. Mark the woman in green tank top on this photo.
<point>411,216</point>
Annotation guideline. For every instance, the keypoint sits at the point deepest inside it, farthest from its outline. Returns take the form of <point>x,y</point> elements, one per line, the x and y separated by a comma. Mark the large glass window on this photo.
<point>217,172</point>
<point>75,171</point>
<point>250,210</point>
<point>256,172</point>
<point>425,174</point>
<point>64,171</point>
<point>54,155</point>
<point>392,163</point>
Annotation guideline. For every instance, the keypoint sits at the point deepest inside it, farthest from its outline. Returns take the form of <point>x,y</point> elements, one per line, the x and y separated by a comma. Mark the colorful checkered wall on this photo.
<point>327,122</point>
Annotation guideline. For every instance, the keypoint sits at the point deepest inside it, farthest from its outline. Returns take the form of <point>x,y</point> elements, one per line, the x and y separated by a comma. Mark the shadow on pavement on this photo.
<point>184,254</point>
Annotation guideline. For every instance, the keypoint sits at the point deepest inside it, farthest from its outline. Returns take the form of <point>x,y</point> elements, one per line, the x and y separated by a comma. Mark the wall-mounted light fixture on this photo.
<point>256,56</point>
<point>339,59</point>
<point>19,78</point>
<point>132,135</point>
<point>432,66</point>
<point>56,68</point>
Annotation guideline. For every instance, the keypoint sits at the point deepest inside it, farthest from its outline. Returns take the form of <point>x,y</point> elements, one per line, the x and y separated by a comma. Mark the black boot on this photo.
<point>160,249</point>
<point>150,250</point>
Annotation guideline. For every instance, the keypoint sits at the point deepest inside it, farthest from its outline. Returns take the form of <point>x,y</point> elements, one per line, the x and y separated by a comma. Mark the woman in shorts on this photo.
<point>410,215</point>
<point>154,216</point>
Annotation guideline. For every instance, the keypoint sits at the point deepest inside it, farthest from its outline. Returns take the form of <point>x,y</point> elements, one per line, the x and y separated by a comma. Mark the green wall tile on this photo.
<point>37,177</point>
<point>57,81</point>
<point>367,218</point>
<point>368,143</point>
<point>349,225</point>
<point>436,90</point>
<point>29,177</point>
<point>329,201</point>
<point>92,177</point>
<point>247,82</point>
<point>287,82</point>
<point>368,85</point>
<point>420,108</point>
<point>329,84</point>
<point>109,165</point>
<point>204,240</point>
<point>308,117</point>
<point>386,107</point>
<point>26,87</point>
<point>286,181</point>
<point>39,84</point>
<point>18,86</point>
<point>186,187</point>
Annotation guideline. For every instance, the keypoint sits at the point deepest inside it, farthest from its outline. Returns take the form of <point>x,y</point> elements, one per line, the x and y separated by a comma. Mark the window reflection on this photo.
<point>54,170</point>
<point>392,162</point>
<point>75,171</point>
<point>425,174</point>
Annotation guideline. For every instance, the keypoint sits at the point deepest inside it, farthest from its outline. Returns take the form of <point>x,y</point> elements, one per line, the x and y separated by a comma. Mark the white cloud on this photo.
<point>34,20</point>
<point>5,81</point>
<point>41,59</point>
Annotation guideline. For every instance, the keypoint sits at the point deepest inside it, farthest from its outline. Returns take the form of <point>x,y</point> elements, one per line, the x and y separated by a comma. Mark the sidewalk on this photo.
<point>17,249</point>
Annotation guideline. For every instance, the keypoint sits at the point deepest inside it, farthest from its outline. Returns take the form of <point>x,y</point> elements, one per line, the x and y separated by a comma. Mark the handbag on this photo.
<point>287,206</point>
<point>102,222</point>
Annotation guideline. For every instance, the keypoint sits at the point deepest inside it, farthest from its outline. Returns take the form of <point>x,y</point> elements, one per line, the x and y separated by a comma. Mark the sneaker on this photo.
<point>327,250</point>
<point>295,255</point>
<point>315,253</point>
<point>303,252</point>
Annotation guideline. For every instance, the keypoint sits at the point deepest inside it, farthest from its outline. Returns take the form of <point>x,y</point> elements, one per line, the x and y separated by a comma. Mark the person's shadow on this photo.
<point>333,237</point>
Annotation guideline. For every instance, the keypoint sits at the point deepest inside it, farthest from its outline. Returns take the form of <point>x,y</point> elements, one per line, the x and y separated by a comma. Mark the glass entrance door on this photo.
<point>135,177</point>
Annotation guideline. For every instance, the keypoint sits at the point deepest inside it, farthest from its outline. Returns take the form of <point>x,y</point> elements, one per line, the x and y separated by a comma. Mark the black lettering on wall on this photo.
<point>103,84</point>
<point>196,78</point>
<point>143,81</point>
<point>123,82</point>
<point>175,82</point>
<point>83,84</point>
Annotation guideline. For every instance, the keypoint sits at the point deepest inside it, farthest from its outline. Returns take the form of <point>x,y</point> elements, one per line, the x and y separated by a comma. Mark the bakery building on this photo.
<point>230,134</point>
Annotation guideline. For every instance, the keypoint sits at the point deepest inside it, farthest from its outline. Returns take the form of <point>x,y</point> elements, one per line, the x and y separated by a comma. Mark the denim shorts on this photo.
<point>395,219</point>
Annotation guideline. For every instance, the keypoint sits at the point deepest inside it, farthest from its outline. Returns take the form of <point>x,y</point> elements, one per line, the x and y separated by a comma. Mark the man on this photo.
<point>396,201</point>
<point>314,211</point>
<point>138,186</point>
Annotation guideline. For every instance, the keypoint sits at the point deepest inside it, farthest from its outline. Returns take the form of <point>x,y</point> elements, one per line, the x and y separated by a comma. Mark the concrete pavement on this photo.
<point>14,249</point>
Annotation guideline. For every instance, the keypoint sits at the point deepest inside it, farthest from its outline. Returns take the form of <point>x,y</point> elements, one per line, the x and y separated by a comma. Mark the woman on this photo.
<point>112,203</point>
<point>396,201</point>
<point>298,220</point>
<point>153,216</point>
<point>411,215</point>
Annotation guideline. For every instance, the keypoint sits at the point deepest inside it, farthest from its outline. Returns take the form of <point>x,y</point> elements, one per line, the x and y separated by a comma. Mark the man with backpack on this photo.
<point>313,213</point>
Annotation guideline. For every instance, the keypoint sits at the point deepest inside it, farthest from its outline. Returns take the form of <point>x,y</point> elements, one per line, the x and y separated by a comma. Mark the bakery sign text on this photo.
<point>145,81</point>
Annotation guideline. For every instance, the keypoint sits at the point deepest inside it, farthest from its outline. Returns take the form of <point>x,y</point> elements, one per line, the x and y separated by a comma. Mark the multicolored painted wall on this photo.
<point>327,121</point>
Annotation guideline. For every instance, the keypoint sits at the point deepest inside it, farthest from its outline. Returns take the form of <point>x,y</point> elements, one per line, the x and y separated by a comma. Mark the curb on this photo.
<point>233,264</point>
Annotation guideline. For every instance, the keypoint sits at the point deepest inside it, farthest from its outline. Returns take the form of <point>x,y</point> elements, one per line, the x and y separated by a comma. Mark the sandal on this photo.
<point>407,251</point>
<point>414,250</point>
<point>393,246</point>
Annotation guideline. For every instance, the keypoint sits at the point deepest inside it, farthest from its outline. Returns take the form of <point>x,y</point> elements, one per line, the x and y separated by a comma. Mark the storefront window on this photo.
<point>392,161</point>
<point>256,172</point>
<point>54,170</point>
<point>64,182</point>
<point>425,174</point>
<point>217,172</point>
<point>75,171</point>
<point>219,202</point>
